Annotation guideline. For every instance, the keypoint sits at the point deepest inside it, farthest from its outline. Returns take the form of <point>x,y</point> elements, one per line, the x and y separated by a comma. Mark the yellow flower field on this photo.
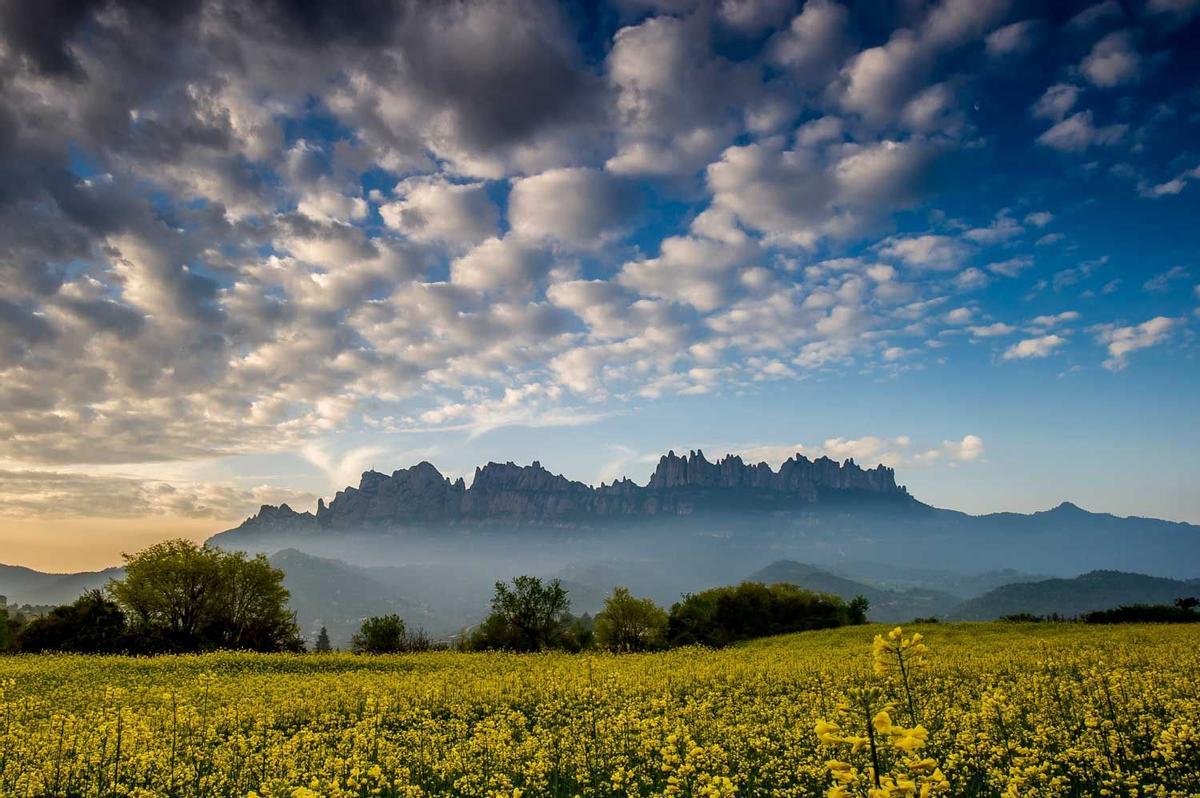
<point>980,709</point>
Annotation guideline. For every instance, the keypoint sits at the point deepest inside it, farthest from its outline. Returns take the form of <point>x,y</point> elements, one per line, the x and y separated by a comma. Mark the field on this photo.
<point>1018,709</point>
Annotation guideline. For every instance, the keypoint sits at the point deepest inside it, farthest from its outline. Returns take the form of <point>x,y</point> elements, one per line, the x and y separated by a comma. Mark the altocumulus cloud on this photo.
<point>230,227</point>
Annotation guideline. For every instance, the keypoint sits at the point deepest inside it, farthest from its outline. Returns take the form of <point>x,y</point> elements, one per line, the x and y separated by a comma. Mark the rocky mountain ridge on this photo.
<point>506,492</point>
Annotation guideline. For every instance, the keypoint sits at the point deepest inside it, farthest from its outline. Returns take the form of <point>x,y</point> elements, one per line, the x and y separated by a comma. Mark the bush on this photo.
<point>91,625</point>
<point>725,615</point>
<point>1144,613</point>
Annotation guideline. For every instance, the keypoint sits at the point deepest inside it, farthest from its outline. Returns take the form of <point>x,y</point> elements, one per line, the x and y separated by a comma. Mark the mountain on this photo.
<point>26,586</point>
<point>506,492</point>
<point>708,522</point>
<point>1097,590</point>
<point>889,606</point>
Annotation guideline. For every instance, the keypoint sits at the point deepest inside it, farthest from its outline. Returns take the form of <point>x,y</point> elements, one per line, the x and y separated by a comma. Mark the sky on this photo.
<point>249,250</point>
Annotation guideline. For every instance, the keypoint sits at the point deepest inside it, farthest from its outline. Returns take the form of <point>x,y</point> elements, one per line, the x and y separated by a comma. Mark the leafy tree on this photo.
<point>380,635</point>
<point>9,628</point>
<point>1188,604</point>
<point>179,596</point>
<point>858,607</point>
<point>724,615</point>
<point>526,616</point>
<point>323,646</point>
<point>628,623</point>
<point>93,624</point>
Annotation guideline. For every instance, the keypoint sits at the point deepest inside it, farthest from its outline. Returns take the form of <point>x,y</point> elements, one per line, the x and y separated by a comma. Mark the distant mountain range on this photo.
<point>430,548</point>
<point>508,493</point>
<point>728,514</point>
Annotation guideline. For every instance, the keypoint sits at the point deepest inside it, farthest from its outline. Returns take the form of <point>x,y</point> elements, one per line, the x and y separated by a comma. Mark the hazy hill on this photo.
<point>1097,590</point>
<point>26,586</point>
<point>886,605</point>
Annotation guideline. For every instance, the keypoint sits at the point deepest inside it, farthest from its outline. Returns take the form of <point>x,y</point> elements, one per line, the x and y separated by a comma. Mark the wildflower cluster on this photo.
<point>888,751</point>
<point>1002,710</point>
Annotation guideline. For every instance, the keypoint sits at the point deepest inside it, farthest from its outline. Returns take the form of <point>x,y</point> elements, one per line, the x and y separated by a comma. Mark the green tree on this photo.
<point>8,631</point>
<point>93,624</point>
<point>384,634</point>
<point>322,645</point>
<point>526,616</point>
<point>180,596</point>
<point>628,623</point>
<point>724,615</point>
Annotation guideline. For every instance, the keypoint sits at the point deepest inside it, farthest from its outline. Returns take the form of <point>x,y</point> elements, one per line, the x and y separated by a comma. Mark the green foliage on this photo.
<point>323,646</point>
<point>8,631</point>
<point>1179,612</point>
<point>93,624</point>
<point>179,596</point>
<point>725,615</point>
<point>383,634</point>
<point>628,623</point>
<point>526,616</point>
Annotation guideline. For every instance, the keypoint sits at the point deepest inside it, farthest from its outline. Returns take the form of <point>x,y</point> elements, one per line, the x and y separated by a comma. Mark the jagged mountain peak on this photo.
<point>508,492</point>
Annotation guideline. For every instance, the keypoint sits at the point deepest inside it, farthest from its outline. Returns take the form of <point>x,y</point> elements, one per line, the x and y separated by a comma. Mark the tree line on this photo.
<point>180,597</point>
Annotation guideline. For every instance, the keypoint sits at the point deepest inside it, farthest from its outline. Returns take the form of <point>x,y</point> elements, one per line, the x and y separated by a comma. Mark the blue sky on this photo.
<point>252,250</point>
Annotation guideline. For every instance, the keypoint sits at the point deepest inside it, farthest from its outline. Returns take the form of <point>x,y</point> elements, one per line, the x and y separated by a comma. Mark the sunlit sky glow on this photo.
<point>248,250</point>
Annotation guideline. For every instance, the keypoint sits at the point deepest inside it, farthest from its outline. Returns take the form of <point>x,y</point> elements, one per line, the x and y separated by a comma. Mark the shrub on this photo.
<point>725,615</point>
<point>628,623</point>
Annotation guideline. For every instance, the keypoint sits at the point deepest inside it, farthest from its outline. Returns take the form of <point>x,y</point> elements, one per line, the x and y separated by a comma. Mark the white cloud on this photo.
<point>1012,266</point>
<point>933,252</point>
<point>434,209</point>
<point>993,330</point>
<point>579,207</point>
<point>506,264</point>
<point>1056,102</point>
<point>1039,218</point>
<point>1114,60</point>
<point>1122,341</point>
<point>1077,133</point>
<point>1011,39</point>
<point>1161,283</point>
<point>1054,320</point>
<point>1041,346</point>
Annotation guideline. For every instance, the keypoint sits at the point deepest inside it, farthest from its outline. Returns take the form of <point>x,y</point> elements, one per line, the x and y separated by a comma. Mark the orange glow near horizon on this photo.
<point>86,544</point>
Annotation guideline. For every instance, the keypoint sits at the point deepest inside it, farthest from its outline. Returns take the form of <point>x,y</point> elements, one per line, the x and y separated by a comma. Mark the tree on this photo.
<point>183,597</point>
<point>628,623</point>
<point>323,646</point>
<point>858,607</point>
<point>1187,604</point>
<point>724,615</point>
<point>380,635</point>
<point>93,624</point>
<point>526,616</point>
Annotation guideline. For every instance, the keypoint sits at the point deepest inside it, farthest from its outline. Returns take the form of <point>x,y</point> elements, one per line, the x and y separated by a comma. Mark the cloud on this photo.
<point>1123,341</point>
<point>434,209</point>
<point>578,207</point>
<point>1161,283</point>
<point>1011,39</point>
<point>54,494</point>
<point>933,252</point>
<point>801,197</point>
<point>1056,102</point>
<point>1113,61</point>
<point>1041,346</point>
<point>1054,320</point>
<point>1077,133</point>
<point>992,330</point>
<point>507,264</point>
<point>969,449</point>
